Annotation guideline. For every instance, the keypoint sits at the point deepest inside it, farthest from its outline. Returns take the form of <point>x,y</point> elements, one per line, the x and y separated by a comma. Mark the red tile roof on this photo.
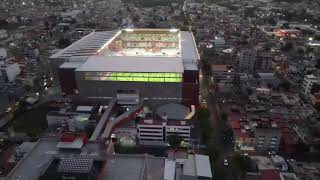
<point>235,124</point>
<point>270,174</point>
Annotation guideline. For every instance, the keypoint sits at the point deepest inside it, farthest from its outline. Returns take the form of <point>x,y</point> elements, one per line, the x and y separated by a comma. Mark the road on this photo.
<point>218,137</point>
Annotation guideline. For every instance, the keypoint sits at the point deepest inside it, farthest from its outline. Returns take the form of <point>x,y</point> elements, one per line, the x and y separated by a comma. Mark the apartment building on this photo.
<point>156,131</point>
<point>247,60</point>
<point>308,82</point>
<point>223,73</point>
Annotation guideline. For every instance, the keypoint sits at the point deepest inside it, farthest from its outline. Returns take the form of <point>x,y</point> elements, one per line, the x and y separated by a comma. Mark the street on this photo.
<point>218,138</point>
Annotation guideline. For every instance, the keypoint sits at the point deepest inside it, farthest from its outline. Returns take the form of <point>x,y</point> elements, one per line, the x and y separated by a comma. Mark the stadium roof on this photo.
<point>87,46</point>
<point>91,45</point>
<point>132,64</point>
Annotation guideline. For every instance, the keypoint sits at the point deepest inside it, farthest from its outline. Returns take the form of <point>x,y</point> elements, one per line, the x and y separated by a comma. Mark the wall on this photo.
<point>109,88</point>
<point>67,80</point>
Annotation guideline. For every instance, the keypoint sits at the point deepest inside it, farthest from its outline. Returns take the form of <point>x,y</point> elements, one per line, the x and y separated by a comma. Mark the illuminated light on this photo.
<point>313,44</point>
<point>173,30</point>
<point>129,30</point>
<point>133,77</point>
<point>310,39</point>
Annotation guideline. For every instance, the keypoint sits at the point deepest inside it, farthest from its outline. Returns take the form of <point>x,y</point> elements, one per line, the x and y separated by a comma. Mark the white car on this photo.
<point>225,162</point>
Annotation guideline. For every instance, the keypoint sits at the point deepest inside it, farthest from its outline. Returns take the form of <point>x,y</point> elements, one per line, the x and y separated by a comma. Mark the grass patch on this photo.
<point>32,122</point>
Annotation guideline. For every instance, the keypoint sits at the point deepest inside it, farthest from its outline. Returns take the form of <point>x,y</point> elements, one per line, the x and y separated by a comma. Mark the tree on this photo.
<point>240,165</point>
<point>175,140</point>
<point>213,154</point>
<point>89,130</point>
<point>318,64</point>
<point>46,24</point>
<point>286,26</point>
<point>64,42</point>
<point>288,46</point>
<point>203,113</point>
<point>151,25</point>
<point>285,85</point>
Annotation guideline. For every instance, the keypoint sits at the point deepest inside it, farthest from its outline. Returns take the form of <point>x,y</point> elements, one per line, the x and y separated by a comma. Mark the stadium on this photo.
<point>156,65</point>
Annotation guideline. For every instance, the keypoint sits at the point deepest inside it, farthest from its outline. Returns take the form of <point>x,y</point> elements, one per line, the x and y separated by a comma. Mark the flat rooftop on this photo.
<point>133,167</point>
<point>41,156</point>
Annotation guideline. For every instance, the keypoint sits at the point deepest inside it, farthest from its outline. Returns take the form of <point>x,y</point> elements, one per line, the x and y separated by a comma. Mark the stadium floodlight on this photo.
<point>129,30</point>
<point>173,30</point>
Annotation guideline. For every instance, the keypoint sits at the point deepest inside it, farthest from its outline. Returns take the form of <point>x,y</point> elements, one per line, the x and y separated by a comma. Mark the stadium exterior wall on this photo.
<point>67,80</point>
<point>149,90</point>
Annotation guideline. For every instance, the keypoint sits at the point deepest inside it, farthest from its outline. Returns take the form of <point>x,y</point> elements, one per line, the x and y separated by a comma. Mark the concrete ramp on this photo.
<point>122,119</point>
<point>103,121</point>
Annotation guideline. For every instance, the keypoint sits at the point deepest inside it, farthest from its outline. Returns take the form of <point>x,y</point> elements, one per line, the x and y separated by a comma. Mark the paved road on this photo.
<point>223,144</point>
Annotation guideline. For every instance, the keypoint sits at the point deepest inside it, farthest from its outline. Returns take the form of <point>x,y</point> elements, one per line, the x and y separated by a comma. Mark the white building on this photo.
<point>3,53</point>
<point>247,60</point>
<point>155,132</point>
<point>75,121</point>
<point>308,81</point>
<point>3,34</point>
<point>195,166</point>
<point>9,72</point>
<point>219,42</point>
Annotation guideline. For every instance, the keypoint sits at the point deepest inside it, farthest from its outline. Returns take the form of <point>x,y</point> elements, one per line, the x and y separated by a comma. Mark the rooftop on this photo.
<point>41,156</point>
<point>110,50</point>
<point>133,167</point>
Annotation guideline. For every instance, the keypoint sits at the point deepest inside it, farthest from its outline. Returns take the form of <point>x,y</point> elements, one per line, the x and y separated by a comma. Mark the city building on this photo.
<point>170,119</point>
<point>73,157</point>
<point>194,167</point>
<point>3,34</point>
<point>263,62</point>
<point>267,136</point>
<point>223,73</point>
<point>308,82</point>
<point>3,53</point>
<point>141,62</point>
<point>247,60</point>
<point>9,72</point>
<point>268,79</point>
<point>156,132</point>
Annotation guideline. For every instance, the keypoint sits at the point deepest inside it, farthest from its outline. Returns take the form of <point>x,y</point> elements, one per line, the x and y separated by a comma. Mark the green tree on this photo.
<point>202,116</point>
<point>203,113</point>
<point>240,165</point>
<point>175,140</point>
<point>213,153</point>
<point>318,64</point>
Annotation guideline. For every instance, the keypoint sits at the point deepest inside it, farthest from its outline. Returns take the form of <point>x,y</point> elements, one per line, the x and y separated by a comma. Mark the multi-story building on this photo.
<point>223,73</point>
<point>247,60</point>
<point>267,137</point>
<point>152,131</point>
<point>9,72</point>
<point>308,82</point>
<point>263,62</point>
<point>3,53</point>
<point>143,62</point>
